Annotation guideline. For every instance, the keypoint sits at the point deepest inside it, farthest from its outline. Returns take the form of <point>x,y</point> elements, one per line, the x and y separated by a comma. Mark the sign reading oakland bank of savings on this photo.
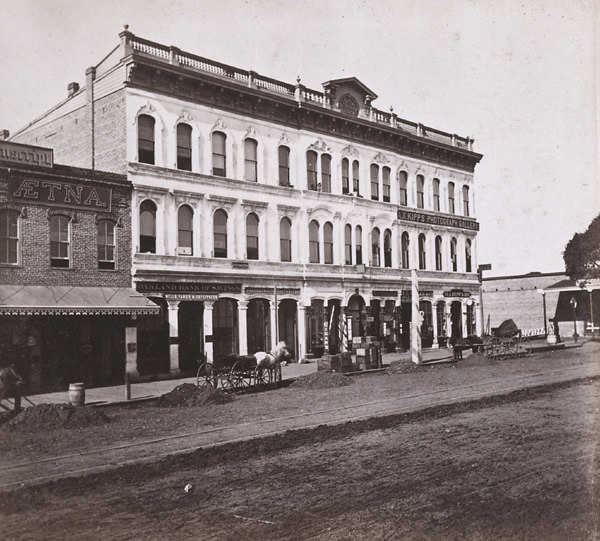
<point>432,219</point>
<point>62,194</point>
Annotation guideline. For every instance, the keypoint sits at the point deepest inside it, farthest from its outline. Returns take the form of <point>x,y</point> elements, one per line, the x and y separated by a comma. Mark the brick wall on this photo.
<point>110,133</point>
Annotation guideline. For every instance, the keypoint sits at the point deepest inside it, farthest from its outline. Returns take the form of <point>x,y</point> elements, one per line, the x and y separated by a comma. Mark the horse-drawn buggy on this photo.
<point>239,372</point>
<point>506,341</point>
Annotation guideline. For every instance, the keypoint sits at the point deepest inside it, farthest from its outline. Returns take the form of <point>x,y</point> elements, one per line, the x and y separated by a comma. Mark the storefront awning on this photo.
<point>73,301</point>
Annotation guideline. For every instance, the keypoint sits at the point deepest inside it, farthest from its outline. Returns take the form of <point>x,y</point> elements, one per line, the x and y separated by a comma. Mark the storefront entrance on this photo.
<point>456,319</point>
<point>287,323</point>
<point>191,335</point>
<point>258,326</point>
<point>225,328</point>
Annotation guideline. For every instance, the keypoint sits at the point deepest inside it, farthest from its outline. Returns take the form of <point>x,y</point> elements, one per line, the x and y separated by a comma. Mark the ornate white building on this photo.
<point>264,210</point>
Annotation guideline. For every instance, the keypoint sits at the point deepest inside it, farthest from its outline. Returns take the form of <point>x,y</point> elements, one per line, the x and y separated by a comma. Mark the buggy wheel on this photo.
<point>206,375</point>
<point>239,376</point>
<point>524,347</point>
<point>227,383</point>
<point>262,377</point>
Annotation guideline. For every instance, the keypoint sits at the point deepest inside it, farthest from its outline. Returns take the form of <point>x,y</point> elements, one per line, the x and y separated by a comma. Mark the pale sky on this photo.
<point>521,77</point>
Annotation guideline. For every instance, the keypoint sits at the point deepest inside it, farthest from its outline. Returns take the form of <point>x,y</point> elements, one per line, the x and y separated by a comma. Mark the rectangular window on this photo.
<point>466,200</point>
<point>184,147</point>
<point>219,154</point>
<point>436,194</point>
<point>311,169</point>
<point>106,245</point>
<point>59,241</point>
<point>355,178</point>
<point>313,247</point>
<point>286,249</point>
<point>9,237</point>
<point>451,208</point>
<point>375,182</point>
<point>420,192</point>
<point>403,188</point>
<point>326,173</point>
<point>146,139</point>
<point>345,176</point>
<point>251,160</point>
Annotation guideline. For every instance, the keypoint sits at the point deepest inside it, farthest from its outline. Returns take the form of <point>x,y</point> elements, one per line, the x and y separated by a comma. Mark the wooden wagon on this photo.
<point>506,341</point>
<point>237,373</point>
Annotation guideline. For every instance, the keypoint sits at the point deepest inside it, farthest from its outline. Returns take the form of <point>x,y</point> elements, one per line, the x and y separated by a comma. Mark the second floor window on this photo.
<point>348,244</point>
<point>9,237</point>
<point>220,233</point>
<point>422,253</point>
<point>451,207</point>
<point>328,243</point>
<point>148,227</point>
<point>387,248</point>
<point>436,194</point>
<point>453,255</point>
<point>185,230</point>
<point>355,178</point>
<point>252,236</point>
<point>146,139</point>
<point>375,248</point>
<point>465,191</point>
<point>285,239</point>
<point>374,182</point>
<point>358,246</point>
<point>420,191</point>
<point>405,250</point>
<point>250,160</point>
<point>60,241</point>
<point>313,242</point>
<point>284,166</point>
<point>184,147</point>
<point>219,154</point>
<point>438,253</point>
<point>468,256</point>
<point>326,173</point>
<point>403,180</point>
<point>106,245</point>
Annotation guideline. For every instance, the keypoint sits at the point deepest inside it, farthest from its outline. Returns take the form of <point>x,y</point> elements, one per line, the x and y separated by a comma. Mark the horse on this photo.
<point>271,362</point>
<point>10,386</point>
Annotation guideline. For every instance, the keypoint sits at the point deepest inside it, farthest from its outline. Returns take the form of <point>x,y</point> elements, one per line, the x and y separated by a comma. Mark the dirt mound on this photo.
<point>50,416</point>
<point>188,394</point>
<point>322,380</point>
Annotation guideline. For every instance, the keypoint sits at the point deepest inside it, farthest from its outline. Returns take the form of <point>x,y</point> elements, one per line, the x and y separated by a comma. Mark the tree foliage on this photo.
<point>582,253</point>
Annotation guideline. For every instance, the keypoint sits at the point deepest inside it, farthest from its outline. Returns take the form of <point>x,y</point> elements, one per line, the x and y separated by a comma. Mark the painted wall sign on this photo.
<point>457,293</point>
<point>26,154</point>
<point>378,293</point>
<point>433,219</point>
<point>187,287</point>
<point>407,294</point>
<point>61,194</point>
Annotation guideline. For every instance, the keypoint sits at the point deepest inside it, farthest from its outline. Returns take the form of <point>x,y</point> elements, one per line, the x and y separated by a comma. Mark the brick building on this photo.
<point>67,308</point>
<point>266,211</point>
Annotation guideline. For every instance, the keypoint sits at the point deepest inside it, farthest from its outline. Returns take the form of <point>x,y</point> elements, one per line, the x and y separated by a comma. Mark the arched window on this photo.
<point>355,178</point>
<point>453,254</point>
<point>313,242</point>
<point>328,243</point>
<point>345,175</point>
<point>465,193</point>
<point>220,233</point>
<point>420,191</point>
<point>9,237</point>
<point>285,239</point>
<point>184,147</point>
<point>311,169</point>
<point>60,241</point>
<point>148,227</point>
<point>438,253</point>
<point>422,252</point>
<point>252,236</point>
<point>348,244</point>
<point>375,248</point>
<point>185,230</point>
<point>387,248</point>
<point>326,173</point>
<point>451,207</point>
<point>358,241</point>
<point>106,244</point>
<point>436,194</point>
<point>405,250</point>
<point>403,180</point>
<point>385,172</point>
<point>374,182</point>
<point>250,160</point>
<point>468,255</point>
<point>146,139</point>
<point>284,166</point>
<point>219,154</point>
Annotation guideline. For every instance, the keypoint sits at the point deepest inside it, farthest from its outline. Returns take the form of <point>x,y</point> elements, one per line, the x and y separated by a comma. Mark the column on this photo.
<point>243,326</point>
<point>274,325</point>
<point>301,332</point>
<point>463,312</point>
<point>478,319</point>
<point>131,352</point>
<point>173,337</point>
<point>208,330</point>
<point>435,344</point>
<point>448,316</point>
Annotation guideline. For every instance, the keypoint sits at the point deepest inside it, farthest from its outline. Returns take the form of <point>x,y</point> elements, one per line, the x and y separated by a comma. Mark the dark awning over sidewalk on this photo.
<point>73,301</point>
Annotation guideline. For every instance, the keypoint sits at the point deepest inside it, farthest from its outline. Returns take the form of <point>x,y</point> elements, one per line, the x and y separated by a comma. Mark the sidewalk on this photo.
<point>153,389</point>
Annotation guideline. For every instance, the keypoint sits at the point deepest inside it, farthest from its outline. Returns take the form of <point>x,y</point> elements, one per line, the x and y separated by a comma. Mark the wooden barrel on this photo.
<point>77,394</point>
